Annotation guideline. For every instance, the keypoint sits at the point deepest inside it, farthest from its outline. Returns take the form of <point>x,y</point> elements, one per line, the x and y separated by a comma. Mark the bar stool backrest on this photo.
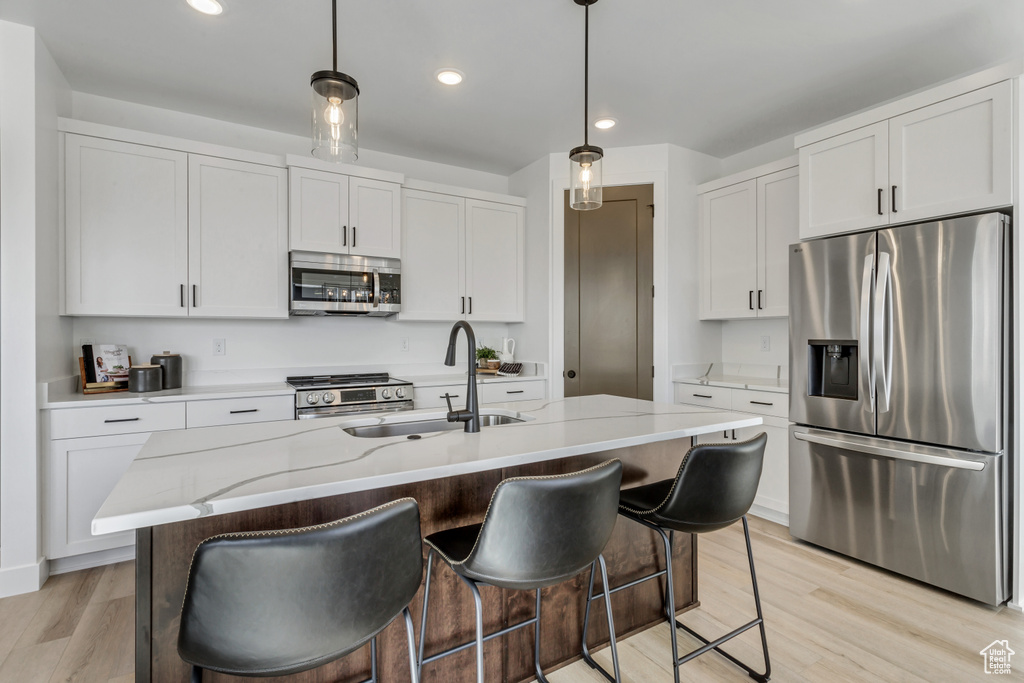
<point>539,531</point>
<point>280,602</point>
<point>715,486</point>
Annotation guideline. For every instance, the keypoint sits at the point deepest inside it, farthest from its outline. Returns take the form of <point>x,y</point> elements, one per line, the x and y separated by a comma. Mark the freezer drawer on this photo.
<point>929,513</point>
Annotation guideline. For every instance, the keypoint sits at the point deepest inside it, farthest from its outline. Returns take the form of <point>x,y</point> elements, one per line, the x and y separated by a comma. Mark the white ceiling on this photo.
<point>718,76</point>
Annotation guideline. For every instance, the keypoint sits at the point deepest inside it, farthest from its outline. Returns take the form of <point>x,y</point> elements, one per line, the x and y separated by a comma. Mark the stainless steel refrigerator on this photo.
<point>899,392</point>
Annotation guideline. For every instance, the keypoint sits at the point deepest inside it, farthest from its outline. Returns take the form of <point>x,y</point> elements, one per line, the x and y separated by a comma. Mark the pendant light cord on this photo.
<point>586,74</point>
<point>334,30</point>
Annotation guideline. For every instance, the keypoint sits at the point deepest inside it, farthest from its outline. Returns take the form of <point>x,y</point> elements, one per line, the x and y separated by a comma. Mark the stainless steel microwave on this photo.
<point>340,284</point>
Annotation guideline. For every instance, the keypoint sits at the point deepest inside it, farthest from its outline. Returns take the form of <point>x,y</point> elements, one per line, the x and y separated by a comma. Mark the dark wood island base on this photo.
<point>164,554</point>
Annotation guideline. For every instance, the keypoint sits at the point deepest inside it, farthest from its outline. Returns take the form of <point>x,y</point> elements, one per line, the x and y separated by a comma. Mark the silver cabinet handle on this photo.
<point>249,410</point>
<point>865,327</point>
<point>124,419</point>
<point>886,452</point>
<point>703,395</point>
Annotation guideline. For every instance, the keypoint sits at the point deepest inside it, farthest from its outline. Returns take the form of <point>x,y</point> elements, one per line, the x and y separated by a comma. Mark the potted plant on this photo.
<point>486,357</point>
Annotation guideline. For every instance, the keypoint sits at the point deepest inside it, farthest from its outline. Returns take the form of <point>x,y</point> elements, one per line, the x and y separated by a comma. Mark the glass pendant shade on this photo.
<point>335,116</point>
<point>585,177</point>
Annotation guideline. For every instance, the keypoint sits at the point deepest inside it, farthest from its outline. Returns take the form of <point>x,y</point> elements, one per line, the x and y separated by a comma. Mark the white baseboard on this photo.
<point>63,565</point>
<point>26,578</point>
<point>771,514</point>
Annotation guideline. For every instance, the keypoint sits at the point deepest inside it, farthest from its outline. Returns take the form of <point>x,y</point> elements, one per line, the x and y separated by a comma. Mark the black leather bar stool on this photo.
<point>714,487</point>
<point>537,532</point>
<point>272,603</point>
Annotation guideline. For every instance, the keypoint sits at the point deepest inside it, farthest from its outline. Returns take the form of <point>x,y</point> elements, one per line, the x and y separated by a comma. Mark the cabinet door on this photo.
<point>317,211</point>
<point>495,262</point>
<point>778,226</point>
<point>126,228</point>
<point>433,256</point>
<point>82,474</point>
<point>238,239</point>
<point>953,156</point>
<point>375,209</point>
<point>728,233</point>
<point>844,182</point>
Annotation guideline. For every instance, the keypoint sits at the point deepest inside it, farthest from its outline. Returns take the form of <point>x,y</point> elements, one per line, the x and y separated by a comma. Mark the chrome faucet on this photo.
<point>471,415</point>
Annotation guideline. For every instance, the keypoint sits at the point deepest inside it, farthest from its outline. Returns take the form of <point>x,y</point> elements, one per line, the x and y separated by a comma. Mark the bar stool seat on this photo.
<point>537,532</point>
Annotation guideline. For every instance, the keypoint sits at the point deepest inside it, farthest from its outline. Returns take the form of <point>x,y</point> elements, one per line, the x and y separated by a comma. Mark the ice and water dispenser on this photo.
<point>832,368</point>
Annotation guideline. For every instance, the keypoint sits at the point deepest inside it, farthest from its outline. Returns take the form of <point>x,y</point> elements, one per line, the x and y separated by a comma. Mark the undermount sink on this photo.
<point>413,427</point>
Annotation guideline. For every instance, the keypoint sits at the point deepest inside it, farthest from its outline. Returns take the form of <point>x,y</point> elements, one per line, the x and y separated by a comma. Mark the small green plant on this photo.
<point>486,353</point>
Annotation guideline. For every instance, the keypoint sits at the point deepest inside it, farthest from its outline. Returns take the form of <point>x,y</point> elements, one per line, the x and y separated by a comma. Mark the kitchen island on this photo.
<point>188,485</point>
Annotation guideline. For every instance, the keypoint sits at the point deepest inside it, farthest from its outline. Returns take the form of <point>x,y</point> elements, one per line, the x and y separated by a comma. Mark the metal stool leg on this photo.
<point>587,657</point>
<point>670,601</point>
<point>413,665</point>
<point>373,659</point>
<point>479,628</point>
<point>611,621</point>
<point>423,617</point>
<point>197,675</point>
<point>536,644</point>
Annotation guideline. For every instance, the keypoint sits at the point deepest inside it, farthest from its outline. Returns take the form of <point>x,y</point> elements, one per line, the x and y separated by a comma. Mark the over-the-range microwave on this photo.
<point>341,284</point>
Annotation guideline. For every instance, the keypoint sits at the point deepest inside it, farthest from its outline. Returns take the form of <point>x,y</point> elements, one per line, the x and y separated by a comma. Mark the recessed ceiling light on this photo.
<point>604,124</point>
<point>449,76</point>
<point>206,6</point>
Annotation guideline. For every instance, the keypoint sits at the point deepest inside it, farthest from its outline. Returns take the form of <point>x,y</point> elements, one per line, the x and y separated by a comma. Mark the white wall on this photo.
<point>533,340</point>
<point>112,112</point>
<point>741,341</point>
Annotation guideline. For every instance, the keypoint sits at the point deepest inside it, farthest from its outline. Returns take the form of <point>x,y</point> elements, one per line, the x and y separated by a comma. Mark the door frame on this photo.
<point>556,321</point>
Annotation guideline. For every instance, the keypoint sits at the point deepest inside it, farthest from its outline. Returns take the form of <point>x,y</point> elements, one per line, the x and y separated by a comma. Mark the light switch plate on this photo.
<point>766,342</point>
<point>219,347</point>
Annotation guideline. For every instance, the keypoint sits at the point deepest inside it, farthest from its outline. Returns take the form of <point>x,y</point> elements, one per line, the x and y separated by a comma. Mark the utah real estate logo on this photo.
<point>997,657</point>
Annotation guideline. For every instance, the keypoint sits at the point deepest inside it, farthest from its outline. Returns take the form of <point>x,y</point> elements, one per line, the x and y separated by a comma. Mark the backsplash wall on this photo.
<point>741,341</point>
<point>299,342</point>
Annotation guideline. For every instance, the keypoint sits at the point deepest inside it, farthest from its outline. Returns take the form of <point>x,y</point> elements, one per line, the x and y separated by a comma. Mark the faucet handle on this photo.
<point>448,400</point>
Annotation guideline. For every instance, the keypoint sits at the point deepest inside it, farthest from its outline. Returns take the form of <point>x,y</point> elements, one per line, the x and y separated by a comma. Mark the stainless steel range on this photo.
<point>361,394</point>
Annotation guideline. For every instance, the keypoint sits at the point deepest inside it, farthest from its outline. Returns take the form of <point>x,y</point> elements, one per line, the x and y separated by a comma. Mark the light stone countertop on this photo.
<point>64,397</point>
<point>456,378</point>
<point>185,474</point>
<point>778,386</point>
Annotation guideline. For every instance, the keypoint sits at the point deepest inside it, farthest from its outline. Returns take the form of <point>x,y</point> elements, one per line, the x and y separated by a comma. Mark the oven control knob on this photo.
<point>385,393</point>
<point>328,397</point>
<point>312,399</point>
<point>399,393</point>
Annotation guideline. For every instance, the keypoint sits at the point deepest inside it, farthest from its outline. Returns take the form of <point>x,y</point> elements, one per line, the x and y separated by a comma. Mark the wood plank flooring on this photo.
<point>829,619</point>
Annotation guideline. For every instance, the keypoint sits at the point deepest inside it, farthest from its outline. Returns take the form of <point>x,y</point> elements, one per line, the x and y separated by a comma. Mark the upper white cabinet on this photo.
<point>746,229</point>
<point>126,228</point>
<point>462,258</point>
<point>156,232</point>
<point>943,158</point>
<point>342,214</point>
<point>238,238</point>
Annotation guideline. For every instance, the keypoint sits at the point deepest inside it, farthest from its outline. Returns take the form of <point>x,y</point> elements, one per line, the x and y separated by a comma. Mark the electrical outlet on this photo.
<point>766,342</point>
<point>219,347</point>
<point>403,344</point>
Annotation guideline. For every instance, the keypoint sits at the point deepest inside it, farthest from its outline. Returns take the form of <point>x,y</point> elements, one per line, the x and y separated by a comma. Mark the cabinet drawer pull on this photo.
<point>760,306</point>
<point>182,296</point>
<point>880,191</point>
<point>762,403</point>
<point>894,199</point>
<point>515,392</point>
<point>344,235</point>
<point>463,305</point>
<point>249,410</point>
<point>750,299</point>
<point>447,396</point>
<point>471,305</point>
<point>194,304</point>
<point>703,395</point>
<point>123,419</point>
<point>353,236</point>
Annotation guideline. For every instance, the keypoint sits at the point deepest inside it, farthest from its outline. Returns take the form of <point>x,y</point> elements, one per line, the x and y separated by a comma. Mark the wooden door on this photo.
<point>433,256</point>
<point>238,239</point>
<point>375,222</point>
<point>495,262</point>
<point>844,182</point>
<point>126,228</point>
<point>728,282</point>
<point>317,211</point>
<point>609,302</point>
<point>953,156</point>
<point>778,226</point>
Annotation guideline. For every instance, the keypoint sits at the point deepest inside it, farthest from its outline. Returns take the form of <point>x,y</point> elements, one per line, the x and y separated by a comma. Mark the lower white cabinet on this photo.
<point>491,392</point>
<point>773,490</point>
<point>82,473</point>
<point>236,411</point>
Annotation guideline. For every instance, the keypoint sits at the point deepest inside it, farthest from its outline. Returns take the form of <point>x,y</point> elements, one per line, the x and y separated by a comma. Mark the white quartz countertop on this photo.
<point>65,398</point>
<point>457,378</point>
<point>185,474</point>
<point>778,386</point>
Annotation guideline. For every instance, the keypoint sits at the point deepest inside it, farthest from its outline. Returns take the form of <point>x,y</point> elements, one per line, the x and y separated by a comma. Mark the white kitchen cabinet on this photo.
<point>746,230</point>
<point>341,214</point>
<point>238,239</point>
<point>950,156</point>
<point>462,259</point>
<point>82,473</point>
<point>487,392</point>
<point>236,411</point>
<point>433,256</point>
<point>126,228</point>
<point>773,489</point>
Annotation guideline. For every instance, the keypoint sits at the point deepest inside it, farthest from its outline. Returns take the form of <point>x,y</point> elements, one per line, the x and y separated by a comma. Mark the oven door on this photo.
<point>360,410</point>
<point>332,284</point>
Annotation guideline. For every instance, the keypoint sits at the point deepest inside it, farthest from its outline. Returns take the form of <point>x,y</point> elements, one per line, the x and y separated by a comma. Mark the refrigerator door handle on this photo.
<point>882,340</point>
<point>887,452</point>
<point>865,327</point>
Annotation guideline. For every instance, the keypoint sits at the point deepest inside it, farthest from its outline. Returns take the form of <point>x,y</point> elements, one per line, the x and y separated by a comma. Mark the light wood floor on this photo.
<point>829,619</point>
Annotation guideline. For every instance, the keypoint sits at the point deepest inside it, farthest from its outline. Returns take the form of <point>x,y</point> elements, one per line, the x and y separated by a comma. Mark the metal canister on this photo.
<point>145,377</point>
<point>171,364</point>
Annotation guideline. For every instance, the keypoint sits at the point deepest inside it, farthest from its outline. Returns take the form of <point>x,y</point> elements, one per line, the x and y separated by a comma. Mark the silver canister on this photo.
<point>171,364</point>
<point>145,377</point>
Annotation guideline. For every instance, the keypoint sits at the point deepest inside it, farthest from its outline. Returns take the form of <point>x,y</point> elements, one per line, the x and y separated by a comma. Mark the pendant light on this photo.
<point>335,108</point>
<point>585,160</point>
